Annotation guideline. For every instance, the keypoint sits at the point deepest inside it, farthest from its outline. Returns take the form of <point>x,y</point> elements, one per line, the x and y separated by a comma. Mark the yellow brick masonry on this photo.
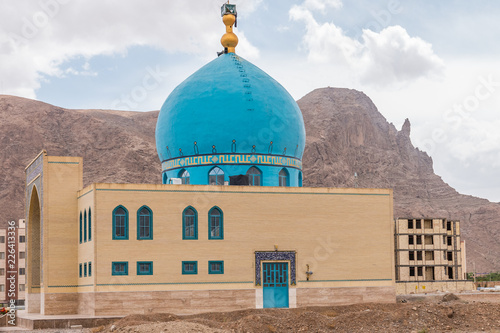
<point>344,235</point>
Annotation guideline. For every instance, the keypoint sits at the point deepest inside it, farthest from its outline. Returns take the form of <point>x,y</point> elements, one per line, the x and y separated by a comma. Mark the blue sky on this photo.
<point>434,62</point>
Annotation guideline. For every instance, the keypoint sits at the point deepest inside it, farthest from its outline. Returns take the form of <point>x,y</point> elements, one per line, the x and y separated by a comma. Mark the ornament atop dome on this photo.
<point>229,40</point>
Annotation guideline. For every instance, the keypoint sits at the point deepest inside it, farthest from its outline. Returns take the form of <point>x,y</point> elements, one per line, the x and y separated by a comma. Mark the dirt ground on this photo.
<point>447,313</point>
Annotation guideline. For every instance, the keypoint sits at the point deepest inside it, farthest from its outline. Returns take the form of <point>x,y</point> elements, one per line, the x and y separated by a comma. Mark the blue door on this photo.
<point>275,279</point>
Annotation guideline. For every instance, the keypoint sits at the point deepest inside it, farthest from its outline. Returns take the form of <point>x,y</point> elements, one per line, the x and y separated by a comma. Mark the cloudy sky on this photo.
<point>434,62</point>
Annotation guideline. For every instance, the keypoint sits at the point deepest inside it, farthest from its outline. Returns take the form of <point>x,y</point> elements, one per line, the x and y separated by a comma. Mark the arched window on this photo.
<point>216,176</point>
<point>184,176</point>
<point>84,226</point>
<point>284,177</point>
<point>215,224</point>
<point>300,179</point>
<point>90,227</point>
<point>120,223</point>
<point>81,227</point>
<point>165,178</point>
<point>189,223</point>
<point>254,176</point>
<point>144,223</point>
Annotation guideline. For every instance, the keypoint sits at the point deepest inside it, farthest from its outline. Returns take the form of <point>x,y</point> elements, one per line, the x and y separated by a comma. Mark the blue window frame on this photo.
<point>119,268</point>
<point>81,270</point>
<point>144,223</point>
<point>254,176</point>
<point>90,268</point>
<point>216,176</point>
<point>216,267</point>
<point>120,223</point>
<point>215,223</point>
<point>189,267</point>
<point>85,269</point>
<point>184,176</point>
<point>90,225</point>
<point>85,226</point>
<point>300,179</point>
<point>189,223</point>
<point>144,268</point>
<point>165,178</point>
<point>284,178</point>
<point>81,231</point>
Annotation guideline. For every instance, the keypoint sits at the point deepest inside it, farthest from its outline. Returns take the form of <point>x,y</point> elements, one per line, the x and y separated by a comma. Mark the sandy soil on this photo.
<point>447,313</point>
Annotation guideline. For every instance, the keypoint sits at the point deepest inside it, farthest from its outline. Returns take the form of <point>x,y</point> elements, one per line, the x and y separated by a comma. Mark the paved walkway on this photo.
<point>49,330</point>
<point>51,321</point>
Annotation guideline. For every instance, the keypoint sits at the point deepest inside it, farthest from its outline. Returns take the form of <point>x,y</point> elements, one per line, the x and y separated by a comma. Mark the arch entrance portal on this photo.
<point>34,272</point>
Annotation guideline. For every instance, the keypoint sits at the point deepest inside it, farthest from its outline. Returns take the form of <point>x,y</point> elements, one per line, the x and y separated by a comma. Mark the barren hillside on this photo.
<point>116,146</point>
<point>345,134</point>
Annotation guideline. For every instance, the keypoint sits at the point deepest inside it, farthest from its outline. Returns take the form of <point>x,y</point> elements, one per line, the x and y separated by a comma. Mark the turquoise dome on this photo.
<point>229,113</point>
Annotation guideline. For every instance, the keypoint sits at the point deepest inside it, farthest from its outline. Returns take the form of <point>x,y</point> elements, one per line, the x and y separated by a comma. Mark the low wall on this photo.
<point>405,288</point>
<point>177,302</point>
<point>487,284</point>
<point>196,301</point>
<point>60,303</point>
<point>343,296</point>
<point>86,303</point>
<point>33,302</point>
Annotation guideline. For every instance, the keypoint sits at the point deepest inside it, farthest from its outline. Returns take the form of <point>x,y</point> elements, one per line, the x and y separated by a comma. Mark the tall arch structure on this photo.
<point>52,234</point>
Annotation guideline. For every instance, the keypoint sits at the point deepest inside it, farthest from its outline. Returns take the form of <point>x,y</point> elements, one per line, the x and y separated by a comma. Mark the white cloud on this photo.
<point>247,7</point>
<point>325,42</point>
<point>475,140</point>
<point>321,5</point>
<point>382,58</point>
<point>84,72</point>
<point>37,37</point>
<point>393,56</point>
<point>246,48</point>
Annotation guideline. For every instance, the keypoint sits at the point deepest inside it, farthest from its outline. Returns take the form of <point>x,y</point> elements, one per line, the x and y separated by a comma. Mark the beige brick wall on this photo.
<point>344,235</point>
<point>62,179</point>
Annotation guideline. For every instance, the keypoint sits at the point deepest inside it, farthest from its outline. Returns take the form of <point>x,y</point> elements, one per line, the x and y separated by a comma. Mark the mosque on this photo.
<point>230,227</point>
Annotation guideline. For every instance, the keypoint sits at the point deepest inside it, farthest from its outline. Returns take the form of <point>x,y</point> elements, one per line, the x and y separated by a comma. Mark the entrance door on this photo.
<point>275,278</point>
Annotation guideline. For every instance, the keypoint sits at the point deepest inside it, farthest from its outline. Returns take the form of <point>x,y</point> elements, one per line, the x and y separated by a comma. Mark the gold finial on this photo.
<point>229,40</point>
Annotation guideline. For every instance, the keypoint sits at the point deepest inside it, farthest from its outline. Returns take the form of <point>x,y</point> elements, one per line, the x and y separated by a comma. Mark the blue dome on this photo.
<point>231,115</point>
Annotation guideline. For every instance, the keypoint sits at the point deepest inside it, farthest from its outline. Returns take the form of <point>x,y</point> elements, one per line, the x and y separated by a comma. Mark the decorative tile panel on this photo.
<point>33,171</point>
<point>274,256</point>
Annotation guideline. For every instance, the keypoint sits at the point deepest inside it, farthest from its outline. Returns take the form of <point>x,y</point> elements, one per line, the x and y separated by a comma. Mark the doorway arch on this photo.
<point>34,253</point>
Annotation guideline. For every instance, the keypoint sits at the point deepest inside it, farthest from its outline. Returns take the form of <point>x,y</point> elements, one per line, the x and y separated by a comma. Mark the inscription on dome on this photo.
<point>257,159</point>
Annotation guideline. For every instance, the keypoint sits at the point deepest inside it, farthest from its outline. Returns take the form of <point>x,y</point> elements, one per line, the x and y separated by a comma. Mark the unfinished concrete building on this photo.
<point>429,256</point>
<point>12,263</point>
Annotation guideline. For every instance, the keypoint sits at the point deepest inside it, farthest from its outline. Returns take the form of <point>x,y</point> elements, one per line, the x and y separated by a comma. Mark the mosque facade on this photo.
<point>230,227</point>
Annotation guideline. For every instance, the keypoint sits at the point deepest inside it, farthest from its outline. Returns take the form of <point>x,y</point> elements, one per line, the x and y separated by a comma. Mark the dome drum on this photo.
<point>269,175</point>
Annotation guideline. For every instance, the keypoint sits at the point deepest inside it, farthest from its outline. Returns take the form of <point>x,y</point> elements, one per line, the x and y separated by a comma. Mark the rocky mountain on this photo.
<point>345,135</point>
<point>116,146</point>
